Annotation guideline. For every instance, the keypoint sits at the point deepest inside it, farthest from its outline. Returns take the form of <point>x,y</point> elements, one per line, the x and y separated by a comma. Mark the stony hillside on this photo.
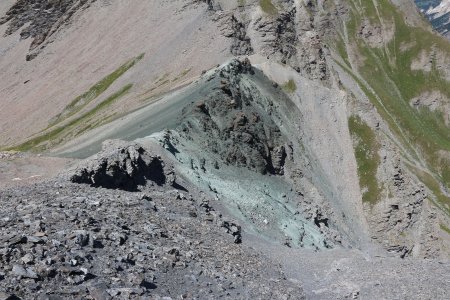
<point>302,137</point>
<point>407,135</point>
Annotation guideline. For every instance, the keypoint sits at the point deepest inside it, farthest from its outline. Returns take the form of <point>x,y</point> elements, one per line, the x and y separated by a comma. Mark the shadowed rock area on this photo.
<point>235,124</point>
<point>122,166</point>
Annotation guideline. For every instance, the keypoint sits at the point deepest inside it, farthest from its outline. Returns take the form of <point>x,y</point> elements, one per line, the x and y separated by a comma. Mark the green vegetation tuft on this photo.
<point>290,86</point>
<point>445,228</point>
<point>268,7</point>
<point>367,158</point>
<point>95,91</point>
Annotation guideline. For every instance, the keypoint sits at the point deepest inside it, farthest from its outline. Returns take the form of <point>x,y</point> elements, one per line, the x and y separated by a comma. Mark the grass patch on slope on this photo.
<point>289,86</point>
<point>367,158</point>
<point>268,7</point>
<point>445,228</point>
<point>391,120</point>
<point>340,48</point>
<point>387,70</point>
<point>75,127</point>
<point>95,91</point>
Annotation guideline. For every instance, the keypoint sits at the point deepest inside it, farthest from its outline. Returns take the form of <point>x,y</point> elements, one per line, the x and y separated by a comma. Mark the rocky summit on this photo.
<point>224,149</point>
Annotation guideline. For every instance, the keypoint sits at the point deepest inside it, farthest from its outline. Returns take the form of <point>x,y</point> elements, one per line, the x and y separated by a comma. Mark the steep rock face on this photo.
<point>396,221</point>
<point>294,37</point>
<point>45,17</point>
<point>289,32</point>
<point>234,123</point>
<point>241,123</point>
<point>237,31</point>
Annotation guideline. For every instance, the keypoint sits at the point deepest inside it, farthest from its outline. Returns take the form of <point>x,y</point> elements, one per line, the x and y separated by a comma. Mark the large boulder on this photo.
<point>125,166</point>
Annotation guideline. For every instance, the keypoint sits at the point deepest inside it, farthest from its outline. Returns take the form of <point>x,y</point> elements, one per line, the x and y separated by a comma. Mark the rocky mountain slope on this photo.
<point>308,138</point>
<point>70,241</point>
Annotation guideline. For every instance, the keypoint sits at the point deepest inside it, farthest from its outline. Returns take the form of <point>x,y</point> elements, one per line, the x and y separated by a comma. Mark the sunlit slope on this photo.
<point>400,67</point>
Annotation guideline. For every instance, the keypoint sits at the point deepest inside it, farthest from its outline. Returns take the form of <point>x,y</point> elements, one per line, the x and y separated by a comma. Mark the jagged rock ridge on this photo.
<point>124,167</point>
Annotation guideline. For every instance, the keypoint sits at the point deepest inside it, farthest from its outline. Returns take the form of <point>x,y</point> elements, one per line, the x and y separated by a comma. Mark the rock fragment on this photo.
<point>125,167</point>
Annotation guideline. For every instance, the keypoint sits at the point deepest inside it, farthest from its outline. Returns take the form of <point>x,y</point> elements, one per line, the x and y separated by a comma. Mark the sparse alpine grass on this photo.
<point>59,134</point>
<point>268,7</point>
<point>95,91</point>
<point>390,83</point>
<point>59,129</point>
<point>289,86</point>
<point>367,158</point>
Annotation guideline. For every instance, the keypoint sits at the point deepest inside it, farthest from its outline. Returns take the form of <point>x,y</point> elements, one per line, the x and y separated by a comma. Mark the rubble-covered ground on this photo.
<point>122,225</point>
<point>148,233</point>
<point>61,240</point>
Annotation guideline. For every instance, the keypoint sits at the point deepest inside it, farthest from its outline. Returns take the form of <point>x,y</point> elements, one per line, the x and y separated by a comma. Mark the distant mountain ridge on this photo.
<point>438,12</point>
